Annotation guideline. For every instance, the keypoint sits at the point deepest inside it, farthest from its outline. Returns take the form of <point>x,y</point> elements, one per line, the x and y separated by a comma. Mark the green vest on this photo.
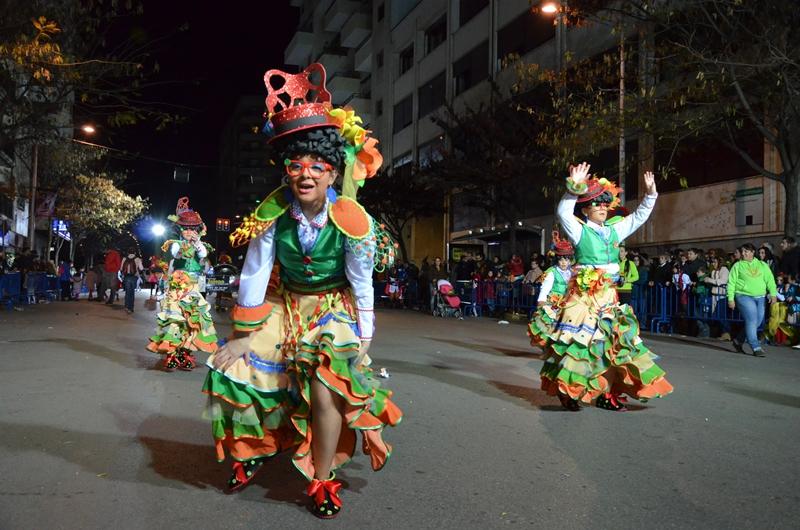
<point>322,269</point>
<point>592,249</point>
<point>191,264</point>
<point>559,284</point>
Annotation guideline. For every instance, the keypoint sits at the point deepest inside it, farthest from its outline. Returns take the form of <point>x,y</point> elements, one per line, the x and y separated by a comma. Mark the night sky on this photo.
<point>221,56</point>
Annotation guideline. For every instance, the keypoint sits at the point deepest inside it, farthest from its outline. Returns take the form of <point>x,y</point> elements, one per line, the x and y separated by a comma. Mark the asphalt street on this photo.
<point>94,435</point>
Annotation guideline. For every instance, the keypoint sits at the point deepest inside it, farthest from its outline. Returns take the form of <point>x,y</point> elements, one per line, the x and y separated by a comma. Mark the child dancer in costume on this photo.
<point>184,322</point>
<point>591,342</point>
<point>297,374</point>
<point>556,278</point>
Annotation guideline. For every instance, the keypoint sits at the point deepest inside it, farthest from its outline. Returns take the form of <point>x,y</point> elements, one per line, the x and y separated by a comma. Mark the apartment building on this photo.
<point>398,61</point>
<point>246,175</point>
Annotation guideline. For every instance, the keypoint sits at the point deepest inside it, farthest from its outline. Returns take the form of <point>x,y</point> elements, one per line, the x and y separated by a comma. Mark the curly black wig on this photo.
<point>605,197</point>
<point>325,142</point>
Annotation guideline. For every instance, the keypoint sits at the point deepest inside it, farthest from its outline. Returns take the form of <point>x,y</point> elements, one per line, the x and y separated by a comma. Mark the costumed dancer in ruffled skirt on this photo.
<point>296,374</point>
<point>591,341</point>
<point>184,322</point>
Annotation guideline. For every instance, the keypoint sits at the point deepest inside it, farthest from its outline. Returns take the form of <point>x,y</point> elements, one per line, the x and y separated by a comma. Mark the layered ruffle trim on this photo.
<point>250,423</point>
<point>614,360</point>
<point>184,324</point>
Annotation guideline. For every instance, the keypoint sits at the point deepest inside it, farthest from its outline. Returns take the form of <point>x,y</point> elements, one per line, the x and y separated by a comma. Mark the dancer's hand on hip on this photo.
<point>363,358</point>
<point>231,352</point>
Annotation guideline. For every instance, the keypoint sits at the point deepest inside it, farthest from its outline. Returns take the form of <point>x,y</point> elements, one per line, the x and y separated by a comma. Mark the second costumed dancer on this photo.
<point>591,342</point>
<point>184,322</point>
<point>297,374</point>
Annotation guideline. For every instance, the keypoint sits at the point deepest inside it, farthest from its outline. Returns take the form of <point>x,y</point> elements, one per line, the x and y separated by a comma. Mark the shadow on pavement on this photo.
<point>787,400</point>
<point>126,359</point>
<point>488,348</point>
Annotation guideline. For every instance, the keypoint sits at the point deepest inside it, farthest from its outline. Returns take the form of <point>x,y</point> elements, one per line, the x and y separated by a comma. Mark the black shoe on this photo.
<point>609,401</point>
<point>325,501</point>
<point>738,346</point>
<point>759,352</point>
<point>568,403</point>
<point>243,473</point>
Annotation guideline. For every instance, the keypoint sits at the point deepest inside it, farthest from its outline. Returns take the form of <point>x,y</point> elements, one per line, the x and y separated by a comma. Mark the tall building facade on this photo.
<point>399,61</point>
<point>246,174</point>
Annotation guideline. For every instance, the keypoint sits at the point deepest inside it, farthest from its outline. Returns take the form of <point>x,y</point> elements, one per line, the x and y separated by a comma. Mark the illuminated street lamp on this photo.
<point>158,230</point>
<point>88,129</point>
<point>549,8</point>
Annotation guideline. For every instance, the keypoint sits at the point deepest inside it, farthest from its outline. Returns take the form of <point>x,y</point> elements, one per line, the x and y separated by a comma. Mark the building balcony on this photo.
<point>334,62</point>
<point>299,48</point>
<point>363,57</point>
<point>339,12</point>
<point>357,28</point>
<point>343,86</point>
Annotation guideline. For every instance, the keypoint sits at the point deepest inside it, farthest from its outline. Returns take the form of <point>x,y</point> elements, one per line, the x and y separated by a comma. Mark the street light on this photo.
<point>158,230</point>
<point>550,8</point>
<point>88,129</point>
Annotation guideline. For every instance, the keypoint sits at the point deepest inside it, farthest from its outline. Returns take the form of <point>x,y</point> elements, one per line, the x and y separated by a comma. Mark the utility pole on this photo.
<point>621,177</point>
<point>32,198</point>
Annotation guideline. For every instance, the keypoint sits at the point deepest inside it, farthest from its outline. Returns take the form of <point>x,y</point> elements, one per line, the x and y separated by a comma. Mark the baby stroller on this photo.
<point>446,303</point>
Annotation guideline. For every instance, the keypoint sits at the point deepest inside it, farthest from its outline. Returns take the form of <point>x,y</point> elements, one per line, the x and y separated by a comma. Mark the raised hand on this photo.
<point>579,173</point>
<point>650,183</point>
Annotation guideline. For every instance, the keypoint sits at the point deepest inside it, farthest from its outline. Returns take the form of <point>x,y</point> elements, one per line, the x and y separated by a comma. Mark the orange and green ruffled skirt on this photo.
<point>592,346</point>
<point>184,322</point>
<point>261,405</point>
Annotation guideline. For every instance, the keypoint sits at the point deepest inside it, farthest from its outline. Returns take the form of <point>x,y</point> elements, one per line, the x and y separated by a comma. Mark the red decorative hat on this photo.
<point>185,216</point>
<point>598,186</point>
<point>296,103</point>
<point>562,247</point>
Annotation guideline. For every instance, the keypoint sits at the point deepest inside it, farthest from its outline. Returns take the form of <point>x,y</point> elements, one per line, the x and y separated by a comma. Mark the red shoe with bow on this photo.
<point>609,401</point>
<point>326,501</point>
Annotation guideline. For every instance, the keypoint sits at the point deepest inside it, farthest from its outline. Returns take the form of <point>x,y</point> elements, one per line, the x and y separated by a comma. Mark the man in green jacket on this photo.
<point>628,273</point>
<point>749,282</point>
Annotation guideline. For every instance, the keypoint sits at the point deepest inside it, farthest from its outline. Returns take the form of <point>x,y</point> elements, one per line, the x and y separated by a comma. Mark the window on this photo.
<point>401,165</point>
<point>379,59</point>
<point>708,161</point>
<point>429,152</point>
<point>435,34</point>
<point>431,95</point>
<point>379,108</point>
<point>381,12</point>
<point>467,9</point>
<point>523,34</point>
<point>406,59</point>
<point>403,114</point>
<point>472,68</point>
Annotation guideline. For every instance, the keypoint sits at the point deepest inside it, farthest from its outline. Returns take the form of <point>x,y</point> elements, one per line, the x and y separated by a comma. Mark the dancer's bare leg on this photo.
<point>326,426</point>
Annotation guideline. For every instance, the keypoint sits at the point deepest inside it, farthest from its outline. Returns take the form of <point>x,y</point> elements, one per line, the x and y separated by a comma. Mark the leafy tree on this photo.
<point>704,70</point>
<point>72,56</point>
<point>396,199</point>
<point>492,161</point>
<point>97,209</point>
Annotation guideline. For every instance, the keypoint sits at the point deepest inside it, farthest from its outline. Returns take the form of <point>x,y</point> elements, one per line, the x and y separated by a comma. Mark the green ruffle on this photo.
<point>257,411</point>
<point>573,363</point>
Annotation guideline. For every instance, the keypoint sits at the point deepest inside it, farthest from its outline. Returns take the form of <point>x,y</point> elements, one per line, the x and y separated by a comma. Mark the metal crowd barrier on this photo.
<point>10,289</point>
<point>658,307</point>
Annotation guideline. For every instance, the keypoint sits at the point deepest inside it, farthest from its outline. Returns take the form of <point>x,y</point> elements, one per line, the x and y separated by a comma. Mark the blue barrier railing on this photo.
<point>10,289</point>
<point>658,308</point>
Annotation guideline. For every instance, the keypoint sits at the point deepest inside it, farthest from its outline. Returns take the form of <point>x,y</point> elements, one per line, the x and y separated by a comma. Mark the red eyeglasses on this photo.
<point>315,169</point>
